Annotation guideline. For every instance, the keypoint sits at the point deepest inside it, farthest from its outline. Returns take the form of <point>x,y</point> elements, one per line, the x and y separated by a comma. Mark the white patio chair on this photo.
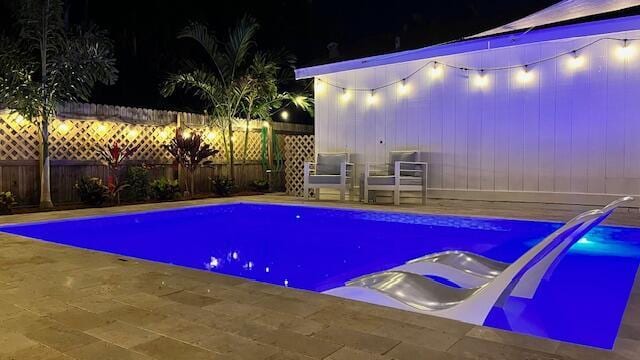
<point>403,173</point>
<point>417,293</point>
<point>330,170</point>
<point>471,270</point>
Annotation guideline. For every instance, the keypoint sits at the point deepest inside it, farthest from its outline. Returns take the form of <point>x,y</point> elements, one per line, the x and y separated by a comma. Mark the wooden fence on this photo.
<point>80,128</point>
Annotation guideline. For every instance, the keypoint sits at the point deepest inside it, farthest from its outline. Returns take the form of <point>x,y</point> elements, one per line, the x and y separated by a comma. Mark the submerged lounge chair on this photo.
<point>417,293</point>
<point>471,270</point>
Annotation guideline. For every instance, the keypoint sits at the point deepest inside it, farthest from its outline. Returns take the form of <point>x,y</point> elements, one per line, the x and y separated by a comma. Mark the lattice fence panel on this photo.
<point>297,150</point>
<point>214,138</point>
<point>78,140</point>
<point>19,139</point>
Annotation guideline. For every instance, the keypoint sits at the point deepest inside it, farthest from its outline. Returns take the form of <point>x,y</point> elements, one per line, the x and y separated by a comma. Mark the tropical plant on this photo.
<point>223,186</point>
<point>259,185</point>
<point>190,152</point>
<point>7,201</point>
<point>138,180</point>
<point>47,64</point>
<point>227,84</point>
<point>163,189</point>
<point>112,155</point>
<point>92,191</point>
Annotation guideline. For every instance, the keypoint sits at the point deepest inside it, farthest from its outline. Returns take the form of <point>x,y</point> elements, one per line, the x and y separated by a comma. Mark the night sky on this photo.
<point>146,48</point>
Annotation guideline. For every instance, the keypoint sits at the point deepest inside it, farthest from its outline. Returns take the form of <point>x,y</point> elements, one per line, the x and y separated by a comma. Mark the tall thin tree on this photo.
<point>47,64</point>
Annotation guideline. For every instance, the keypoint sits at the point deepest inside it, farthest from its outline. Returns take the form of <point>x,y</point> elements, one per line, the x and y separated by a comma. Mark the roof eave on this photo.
<point>493,42</point>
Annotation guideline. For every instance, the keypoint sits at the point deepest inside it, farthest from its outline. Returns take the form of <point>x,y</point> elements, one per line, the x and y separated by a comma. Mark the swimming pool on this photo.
<point>320,248</point>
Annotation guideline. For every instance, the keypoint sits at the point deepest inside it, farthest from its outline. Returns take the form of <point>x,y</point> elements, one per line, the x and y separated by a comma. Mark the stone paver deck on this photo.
<point>58,302</point>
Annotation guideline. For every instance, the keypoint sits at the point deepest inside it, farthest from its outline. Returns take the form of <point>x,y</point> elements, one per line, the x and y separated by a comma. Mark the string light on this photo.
<point>346,95</point>
<point>625,51</point>
<point>320,87</point>
<point>284,115</point>
<point>63,128</point>
<point>403,88</point>
<point>524,75</point>
<point>576,61</point>
<point>435,69</point>
<point>481,80</point>
<point>371,98</point>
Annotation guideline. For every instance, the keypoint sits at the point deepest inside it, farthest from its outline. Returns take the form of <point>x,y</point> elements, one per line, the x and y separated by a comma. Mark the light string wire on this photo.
<point>477,69</point>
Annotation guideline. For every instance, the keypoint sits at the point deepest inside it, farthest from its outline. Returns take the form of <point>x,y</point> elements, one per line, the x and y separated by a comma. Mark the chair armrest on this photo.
<point>398,165</point>
<point>309,167</point>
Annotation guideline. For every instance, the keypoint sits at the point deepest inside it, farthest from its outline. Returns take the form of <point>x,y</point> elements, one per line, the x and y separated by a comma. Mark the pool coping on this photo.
<point>627,341</point>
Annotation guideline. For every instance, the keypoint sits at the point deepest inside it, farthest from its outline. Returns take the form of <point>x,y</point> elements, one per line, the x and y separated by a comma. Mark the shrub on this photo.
<point>138,180</point>
<point>7,200</point>
<point>190,152</point>
<point>259,185</point>
<point>164,189</point>
<point>92,191</point>
<point>222,186</point>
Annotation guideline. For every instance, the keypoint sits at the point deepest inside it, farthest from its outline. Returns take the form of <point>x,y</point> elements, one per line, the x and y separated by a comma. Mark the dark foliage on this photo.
<point>164,189</point>
<point>92,191</point>
<point>222,186</point>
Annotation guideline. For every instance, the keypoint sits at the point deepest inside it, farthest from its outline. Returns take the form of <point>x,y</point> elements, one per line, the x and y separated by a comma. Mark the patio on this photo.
<point>58,302</point>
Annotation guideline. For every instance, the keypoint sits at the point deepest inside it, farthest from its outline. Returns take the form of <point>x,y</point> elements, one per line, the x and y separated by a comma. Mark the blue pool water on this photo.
<point>319,249</point>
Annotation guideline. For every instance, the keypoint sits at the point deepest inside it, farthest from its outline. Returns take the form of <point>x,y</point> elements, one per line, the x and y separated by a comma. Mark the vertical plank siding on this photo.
<point>566,131</point>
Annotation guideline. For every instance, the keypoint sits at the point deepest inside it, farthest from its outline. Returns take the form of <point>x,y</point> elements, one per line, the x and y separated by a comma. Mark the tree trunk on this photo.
<point>232,171</point>
<point>45,169</point>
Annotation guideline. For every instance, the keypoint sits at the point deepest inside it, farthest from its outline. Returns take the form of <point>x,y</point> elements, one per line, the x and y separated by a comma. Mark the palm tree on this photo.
<point>47,65</point>
<point>228,83</point>
<point>266,73</point>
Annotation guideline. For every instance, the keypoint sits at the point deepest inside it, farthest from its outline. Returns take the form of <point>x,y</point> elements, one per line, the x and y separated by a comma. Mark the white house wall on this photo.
<point>567,131</point>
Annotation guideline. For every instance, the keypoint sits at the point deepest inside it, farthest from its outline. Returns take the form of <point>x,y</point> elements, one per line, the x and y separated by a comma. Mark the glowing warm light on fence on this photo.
<point>284,115</point>
<point>64,128</point>
<point>626,51</point>
<point>20,120</point>
<point>163,135</point>
<point>132,134</point>
<point>101,129</point>
<point>576,61</point>
<point>211,135</point>
<point>186,134</point>
<point>346,95</point>
<point>525,75</point>
<point>436,71</point>
<point>481,80</point>
<point>265,124</point>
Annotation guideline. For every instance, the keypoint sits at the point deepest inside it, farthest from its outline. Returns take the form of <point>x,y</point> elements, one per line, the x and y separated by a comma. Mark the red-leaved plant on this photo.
<point>113,155</point>
<point>190,152</point>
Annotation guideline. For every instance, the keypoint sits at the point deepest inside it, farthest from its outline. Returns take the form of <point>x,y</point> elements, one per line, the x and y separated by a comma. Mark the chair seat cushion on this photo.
<point>324,179</point>
<point>390,180</point>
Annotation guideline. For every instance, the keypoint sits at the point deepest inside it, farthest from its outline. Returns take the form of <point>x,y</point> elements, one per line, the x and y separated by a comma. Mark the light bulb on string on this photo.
<point>481,80</point>
<point>436,71</point>
<point>403,87</point>
<point>320,86</point>
<point>525,75</point>
<point>371,98</point>
<point>625,51</point>
<point>346,95</point>
<point>575,61</point>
